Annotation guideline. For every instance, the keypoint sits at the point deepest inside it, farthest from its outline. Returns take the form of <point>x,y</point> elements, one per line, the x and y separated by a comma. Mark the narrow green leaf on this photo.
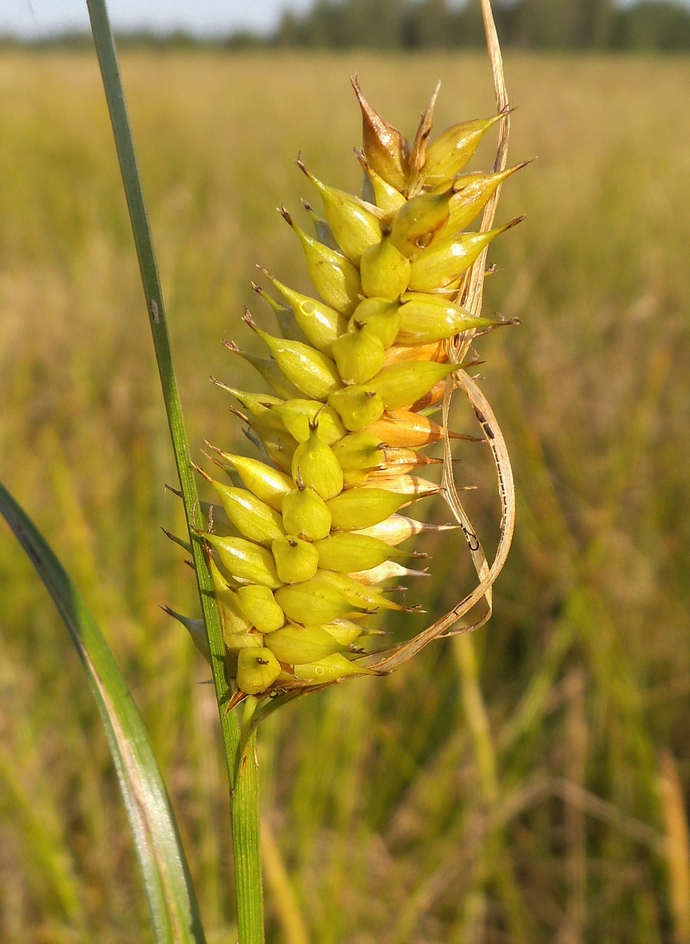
<point>244,784</point>
<point>166,875</point>
<point>114,93</point>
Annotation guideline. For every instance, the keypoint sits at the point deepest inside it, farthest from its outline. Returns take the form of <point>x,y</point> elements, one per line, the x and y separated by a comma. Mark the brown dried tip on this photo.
<point>201,472</point>
<point>418,152</point>
<point>248,320</point>
<point>230,345</point>
<point>301,165</point>
<point>386,148</point>
<point>522,164</point>
<point>362,159</point>
<point>219,383</point>
<point>236,699</point>
<point>239,414</point>
<point>518,219</point>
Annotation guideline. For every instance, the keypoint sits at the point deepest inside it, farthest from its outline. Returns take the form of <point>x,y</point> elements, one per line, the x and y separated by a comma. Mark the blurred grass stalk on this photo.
<point>242,771</point>
<point>677,845</point>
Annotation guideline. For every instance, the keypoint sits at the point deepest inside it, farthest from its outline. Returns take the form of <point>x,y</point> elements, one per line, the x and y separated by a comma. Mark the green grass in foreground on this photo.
<point>518,788</point>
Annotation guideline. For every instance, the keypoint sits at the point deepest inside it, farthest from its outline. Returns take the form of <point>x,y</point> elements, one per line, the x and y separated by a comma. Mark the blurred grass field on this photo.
<point>524,785</point>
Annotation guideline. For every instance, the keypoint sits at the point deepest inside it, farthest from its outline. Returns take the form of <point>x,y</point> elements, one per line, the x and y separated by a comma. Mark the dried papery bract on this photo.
<point>313,524</point>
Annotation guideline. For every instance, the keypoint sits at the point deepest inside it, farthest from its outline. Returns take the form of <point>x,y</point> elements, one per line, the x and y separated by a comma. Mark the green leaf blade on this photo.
<point>167,881</point>
<point>244,786</point>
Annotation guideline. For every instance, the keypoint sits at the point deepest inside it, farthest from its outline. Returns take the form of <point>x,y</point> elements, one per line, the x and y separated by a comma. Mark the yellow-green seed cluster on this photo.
<point>315,523</point>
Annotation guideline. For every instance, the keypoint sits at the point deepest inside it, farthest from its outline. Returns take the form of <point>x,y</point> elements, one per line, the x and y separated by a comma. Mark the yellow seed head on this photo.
<point>317,517</point>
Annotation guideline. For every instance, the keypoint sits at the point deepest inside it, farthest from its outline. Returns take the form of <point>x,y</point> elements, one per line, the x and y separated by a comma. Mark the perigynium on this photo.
<point>305,532</point>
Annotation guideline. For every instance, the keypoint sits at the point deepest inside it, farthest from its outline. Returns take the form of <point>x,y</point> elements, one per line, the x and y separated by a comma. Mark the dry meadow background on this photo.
<point>521,786</point>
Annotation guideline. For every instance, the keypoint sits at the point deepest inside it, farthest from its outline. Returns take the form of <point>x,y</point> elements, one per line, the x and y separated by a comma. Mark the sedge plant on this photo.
<point>296,552</point>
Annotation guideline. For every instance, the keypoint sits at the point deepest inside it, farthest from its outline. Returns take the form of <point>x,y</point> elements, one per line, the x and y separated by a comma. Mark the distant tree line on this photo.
<point>653,25</point>
<point>531,24</point>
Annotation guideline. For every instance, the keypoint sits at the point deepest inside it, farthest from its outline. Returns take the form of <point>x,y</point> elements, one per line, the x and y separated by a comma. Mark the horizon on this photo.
<point>36,20</point>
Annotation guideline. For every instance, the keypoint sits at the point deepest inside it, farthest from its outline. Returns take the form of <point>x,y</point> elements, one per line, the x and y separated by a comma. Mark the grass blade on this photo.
<point>143,242</point>
<point>141,232</point>
<point>244,789</point>
<point>161,856</point>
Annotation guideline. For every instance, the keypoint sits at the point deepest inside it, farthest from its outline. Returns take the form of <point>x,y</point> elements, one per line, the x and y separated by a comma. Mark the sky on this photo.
<point>32,18</point>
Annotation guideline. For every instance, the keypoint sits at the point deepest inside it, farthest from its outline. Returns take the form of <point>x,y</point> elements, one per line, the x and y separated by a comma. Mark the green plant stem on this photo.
<point>246,840</point>
<point>244,786</point>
